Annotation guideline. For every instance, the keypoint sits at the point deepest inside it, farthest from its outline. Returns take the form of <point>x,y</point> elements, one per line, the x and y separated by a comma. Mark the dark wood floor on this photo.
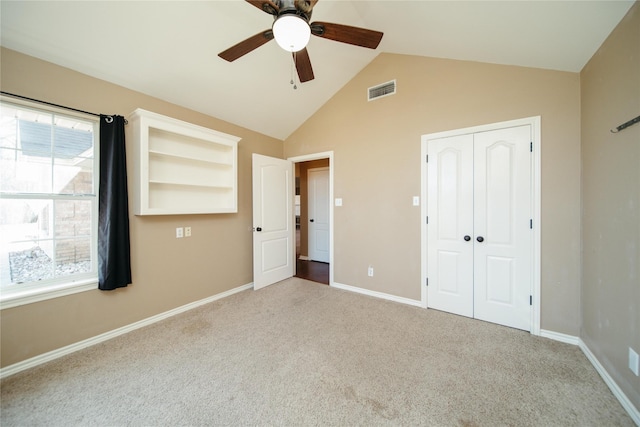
<point>313,270</point>
<point>310,270</point>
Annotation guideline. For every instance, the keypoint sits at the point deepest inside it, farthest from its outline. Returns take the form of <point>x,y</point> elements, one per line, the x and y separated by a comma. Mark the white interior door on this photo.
<point>502,214</point>
<point>450,212</point>
<point>273,234</point>
<point>479,245</point>
<point>318,204</point>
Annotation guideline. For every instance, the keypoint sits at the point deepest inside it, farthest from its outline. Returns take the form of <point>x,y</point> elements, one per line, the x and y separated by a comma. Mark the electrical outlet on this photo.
<point>634,362</point>
<point>179,233</point>
<point>187,232</point>
<point>370,271</point>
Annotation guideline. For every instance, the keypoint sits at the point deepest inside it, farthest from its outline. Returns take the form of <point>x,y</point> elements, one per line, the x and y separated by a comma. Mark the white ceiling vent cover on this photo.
<point>384,89</point>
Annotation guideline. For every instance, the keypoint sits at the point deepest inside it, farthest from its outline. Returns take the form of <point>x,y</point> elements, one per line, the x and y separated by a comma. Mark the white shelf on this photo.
<point>187,184</point>
<point>181,168</point>
<point>192,159</point>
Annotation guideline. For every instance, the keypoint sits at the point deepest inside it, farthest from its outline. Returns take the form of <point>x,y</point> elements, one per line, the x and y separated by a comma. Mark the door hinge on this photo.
<point>530,299</point>
<point>427,282</point>
<point>531,224</point>
<point>427,220</point>
<point>427,158</point>
<point>531,146</point>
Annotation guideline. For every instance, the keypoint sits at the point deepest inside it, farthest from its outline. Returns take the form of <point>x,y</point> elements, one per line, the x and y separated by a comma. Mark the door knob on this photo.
<point>310,220</point>
<point>259,229</point>
<point>467,238</point>
<point>480,239</point>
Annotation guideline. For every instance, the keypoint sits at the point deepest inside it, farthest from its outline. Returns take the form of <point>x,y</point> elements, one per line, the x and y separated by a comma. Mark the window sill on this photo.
<point>28,296</point>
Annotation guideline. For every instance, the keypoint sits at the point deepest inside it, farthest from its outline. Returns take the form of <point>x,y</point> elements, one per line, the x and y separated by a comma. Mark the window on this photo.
<point>48,202</point>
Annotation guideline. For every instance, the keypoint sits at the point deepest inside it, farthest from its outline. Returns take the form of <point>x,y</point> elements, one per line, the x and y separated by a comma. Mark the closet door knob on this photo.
<point>480,239</point>
<point>311,220</point>
<point>467,238</point>
<point>259,229</point>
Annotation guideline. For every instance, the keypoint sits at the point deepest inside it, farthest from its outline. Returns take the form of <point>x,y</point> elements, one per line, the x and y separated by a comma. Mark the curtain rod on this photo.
<point>52,104</point>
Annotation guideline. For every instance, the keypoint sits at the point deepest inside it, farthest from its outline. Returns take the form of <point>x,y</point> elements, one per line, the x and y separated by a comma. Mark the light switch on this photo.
<point>179,232</point>
<point>416,200</point>
<point>338,201</point>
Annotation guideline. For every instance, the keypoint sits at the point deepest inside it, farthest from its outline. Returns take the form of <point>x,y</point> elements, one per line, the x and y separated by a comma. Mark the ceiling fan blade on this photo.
<point>347,34</point>
<point>303,65</point>
<point>266,6</point>
<point>246,46</point>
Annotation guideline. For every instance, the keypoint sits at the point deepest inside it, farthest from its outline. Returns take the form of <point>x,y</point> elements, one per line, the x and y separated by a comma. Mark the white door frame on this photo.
<point>534,122</point>
<point>318,156</point>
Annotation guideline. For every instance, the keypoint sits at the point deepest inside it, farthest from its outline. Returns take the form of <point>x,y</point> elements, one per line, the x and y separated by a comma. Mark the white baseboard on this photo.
<point>633,412</point>
<point>55,354</point>
<point>609,381</point>
<point>304,258</point>
<point>376,294</point>
<point>557,336</point>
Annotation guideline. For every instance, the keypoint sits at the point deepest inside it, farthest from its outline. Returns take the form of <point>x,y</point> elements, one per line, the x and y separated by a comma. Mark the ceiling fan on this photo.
<point>292,30</point>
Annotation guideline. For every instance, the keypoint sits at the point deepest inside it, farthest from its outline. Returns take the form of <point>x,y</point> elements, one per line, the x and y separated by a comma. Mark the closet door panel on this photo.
<point>450,211</point>
<point>502,213</point>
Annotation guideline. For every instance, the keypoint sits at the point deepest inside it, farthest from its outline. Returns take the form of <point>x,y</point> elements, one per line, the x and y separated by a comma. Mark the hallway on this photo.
<point>305,268</point>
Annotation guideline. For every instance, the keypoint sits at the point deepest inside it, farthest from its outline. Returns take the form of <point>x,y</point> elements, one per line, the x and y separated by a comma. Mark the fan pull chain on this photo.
<point>293,61</point>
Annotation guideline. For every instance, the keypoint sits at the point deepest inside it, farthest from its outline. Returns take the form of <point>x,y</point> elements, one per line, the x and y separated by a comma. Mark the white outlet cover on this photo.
<point>338,201</point>
<point>634,362</point>
<point>179,232</point>
<point>416,200</point>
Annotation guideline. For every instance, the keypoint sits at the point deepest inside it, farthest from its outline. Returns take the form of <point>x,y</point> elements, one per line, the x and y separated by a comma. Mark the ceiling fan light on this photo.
<point>291,32</point>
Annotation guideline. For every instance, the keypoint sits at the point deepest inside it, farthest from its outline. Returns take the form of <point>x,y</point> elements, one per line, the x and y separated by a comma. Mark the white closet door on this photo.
<point>503,237</point>
<point>450,212</point>
<point>479,245</point>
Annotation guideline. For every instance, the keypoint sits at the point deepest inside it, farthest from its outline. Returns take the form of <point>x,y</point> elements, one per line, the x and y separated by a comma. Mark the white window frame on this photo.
<point>59,287</point>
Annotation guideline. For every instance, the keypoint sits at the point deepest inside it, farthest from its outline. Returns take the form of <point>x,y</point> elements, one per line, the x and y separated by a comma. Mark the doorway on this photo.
<point>314,217</point>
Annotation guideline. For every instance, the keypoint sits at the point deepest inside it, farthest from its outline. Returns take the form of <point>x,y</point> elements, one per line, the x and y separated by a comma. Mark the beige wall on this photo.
<point>377,166</point>
<point>611,203</point>
<point>167,273</point>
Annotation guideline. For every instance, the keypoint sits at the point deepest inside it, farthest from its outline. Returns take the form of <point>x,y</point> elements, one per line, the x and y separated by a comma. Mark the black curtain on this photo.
<point>114,260</point>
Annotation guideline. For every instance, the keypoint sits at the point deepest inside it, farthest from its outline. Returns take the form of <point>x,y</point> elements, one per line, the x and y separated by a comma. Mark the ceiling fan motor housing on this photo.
<point>302,8</point>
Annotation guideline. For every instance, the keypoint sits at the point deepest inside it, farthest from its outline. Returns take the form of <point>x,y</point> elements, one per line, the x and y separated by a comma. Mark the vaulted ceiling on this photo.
<point>168,49</point>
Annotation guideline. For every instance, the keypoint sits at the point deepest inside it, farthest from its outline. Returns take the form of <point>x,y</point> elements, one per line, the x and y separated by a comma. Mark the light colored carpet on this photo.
<point>298,354</point>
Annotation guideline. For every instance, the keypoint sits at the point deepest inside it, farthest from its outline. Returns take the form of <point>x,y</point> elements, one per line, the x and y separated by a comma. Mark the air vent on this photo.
<point>384,89</point>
